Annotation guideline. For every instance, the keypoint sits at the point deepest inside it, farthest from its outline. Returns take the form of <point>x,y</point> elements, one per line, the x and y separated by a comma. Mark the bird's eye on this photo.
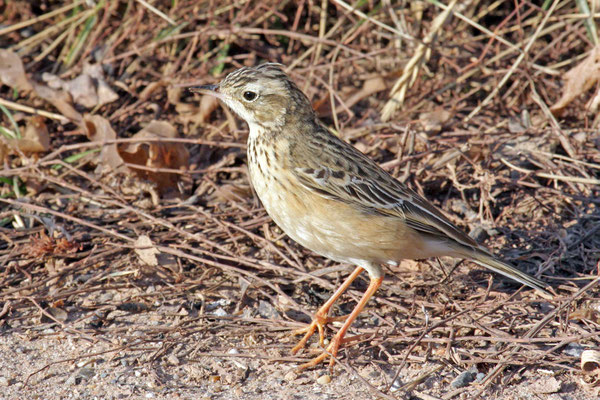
<point>250,96</point>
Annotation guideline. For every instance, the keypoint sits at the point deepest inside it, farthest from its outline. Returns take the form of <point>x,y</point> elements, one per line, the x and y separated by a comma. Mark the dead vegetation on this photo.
<point>129,230</point>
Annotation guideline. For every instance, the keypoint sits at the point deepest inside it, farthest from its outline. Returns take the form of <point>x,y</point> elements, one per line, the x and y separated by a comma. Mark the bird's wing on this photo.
<point>344,174</point>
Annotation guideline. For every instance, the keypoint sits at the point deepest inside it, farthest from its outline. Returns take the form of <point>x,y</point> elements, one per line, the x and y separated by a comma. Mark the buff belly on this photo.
<point>338,230</point>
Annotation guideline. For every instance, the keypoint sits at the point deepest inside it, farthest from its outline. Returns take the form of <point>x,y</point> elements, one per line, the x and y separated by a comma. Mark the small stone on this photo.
<point>266,310</point>
<point>574,350</point>
<point>463,379</point>
<point>4,381</point>
<point>546,386</point>
<point>324,380</point>
<point>173,360</point>
<point>219,312</point>
<point>290,376</point>
<point>87,373</point>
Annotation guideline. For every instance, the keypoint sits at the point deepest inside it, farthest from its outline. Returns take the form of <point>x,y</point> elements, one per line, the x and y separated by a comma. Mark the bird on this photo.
<point>334,200</point>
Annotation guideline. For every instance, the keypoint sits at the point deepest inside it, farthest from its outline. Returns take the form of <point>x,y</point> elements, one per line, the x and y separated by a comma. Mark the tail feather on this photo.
<point>488,261</point>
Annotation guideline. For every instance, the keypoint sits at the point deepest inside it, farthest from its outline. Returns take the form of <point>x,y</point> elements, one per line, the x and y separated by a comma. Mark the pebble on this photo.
<point>4,381</point>
<point>290,376</point>
<point>463,379</point>
<point>266,310</point>
<point>219,312</point>
<point>324,380</point>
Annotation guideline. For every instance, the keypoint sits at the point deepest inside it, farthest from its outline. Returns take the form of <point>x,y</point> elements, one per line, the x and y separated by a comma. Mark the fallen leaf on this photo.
<point>433,121</point>
<point>156,155</point>
<point>579,80</point>
<point>369,87</point>
<point>58,314</point>
<point>59,99</point>
<point>88,89</point>
<point>145,250</point>
<point>12,72</point>
<point>191,113</point>
<point>229,193</point>
<point>98,129</point>
<point>35,137</point>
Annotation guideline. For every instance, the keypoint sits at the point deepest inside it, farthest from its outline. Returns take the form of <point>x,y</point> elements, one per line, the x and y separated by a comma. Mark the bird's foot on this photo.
<point>318,324</point>
<point>331,351</point>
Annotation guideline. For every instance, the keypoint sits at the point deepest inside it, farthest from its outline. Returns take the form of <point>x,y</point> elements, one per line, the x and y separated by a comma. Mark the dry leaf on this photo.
<point>229,193</point>
<point>57,313</point>
<point>59,99</point>
<point>145,250</point>
<point>35,137</point>
<point>578,80</point>
<point>369,87</point>
<point>98,129</point>
<point>190,113</point>
<point>12,72</point>
<point>89,89</point>
<point>433,121</point>
<point>156,155</point>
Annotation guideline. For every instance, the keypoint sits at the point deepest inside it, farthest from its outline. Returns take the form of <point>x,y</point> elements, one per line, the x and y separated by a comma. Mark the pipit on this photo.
<point>334,200</point>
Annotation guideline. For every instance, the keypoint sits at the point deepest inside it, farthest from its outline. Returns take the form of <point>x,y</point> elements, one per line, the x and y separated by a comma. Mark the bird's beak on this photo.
<point>211,90</point>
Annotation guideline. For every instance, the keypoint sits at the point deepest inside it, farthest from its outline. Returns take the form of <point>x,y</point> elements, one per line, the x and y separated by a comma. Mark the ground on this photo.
<point>136,262</point>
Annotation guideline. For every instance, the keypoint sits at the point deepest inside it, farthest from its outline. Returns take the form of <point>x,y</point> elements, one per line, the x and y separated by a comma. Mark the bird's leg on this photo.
<point>321,317</point>
<point>338,339</point>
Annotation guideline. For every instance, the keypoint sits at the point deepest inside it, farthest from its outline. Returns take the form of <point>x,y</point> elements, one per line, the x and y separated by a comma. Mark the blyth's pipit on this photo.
<point>331,198</point>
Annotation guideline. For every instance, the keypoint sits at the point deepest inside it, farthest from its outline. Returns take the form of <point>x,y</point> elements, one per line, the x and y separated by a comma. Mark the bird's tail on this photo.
<point>488,261</point>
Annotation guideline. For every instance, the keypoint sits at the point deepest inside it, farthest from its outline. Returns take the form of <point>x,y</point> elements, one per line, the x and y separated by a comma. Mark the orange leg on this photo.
<point>321,317</point>
<point>338,339</point>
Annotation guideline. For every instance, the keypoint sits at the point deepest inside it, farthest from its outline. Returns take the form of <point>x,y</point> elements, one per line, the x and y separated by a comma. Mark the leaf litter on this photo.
<point>207,312</point>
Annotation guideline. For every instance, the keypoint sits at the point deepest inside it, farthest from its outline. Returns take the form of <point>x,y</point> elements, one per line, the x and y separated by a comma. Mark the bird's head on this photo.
<point>263,96</point>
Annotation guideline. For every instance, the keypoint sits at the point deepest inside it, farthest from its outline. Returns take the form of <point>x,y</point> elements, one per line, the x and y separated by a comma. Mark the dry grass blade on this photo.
<point>110,287</point>
<point>411,69</point>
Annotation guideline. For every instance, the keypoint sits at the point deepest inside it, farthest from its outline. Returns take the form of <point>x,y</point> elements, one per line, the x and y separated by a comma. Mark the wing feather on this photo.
<point>374,191</point>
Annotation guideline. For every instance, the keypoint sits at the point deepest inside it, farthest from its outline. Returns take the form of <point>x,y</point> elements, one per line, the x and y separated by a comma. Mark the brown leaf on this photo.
<point>230,192</point>
<point>12,72</point>
<point>88,89</point>
<point>57,313</point>
<point>433,121</point>
<point>59,99</point>
<point>145,250</point>
<point>156,155</point>
<point>370,86</point>
<point>578,80</point>
<point>98,129</point>
<point>190,113</point>
<point>35,137</point>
